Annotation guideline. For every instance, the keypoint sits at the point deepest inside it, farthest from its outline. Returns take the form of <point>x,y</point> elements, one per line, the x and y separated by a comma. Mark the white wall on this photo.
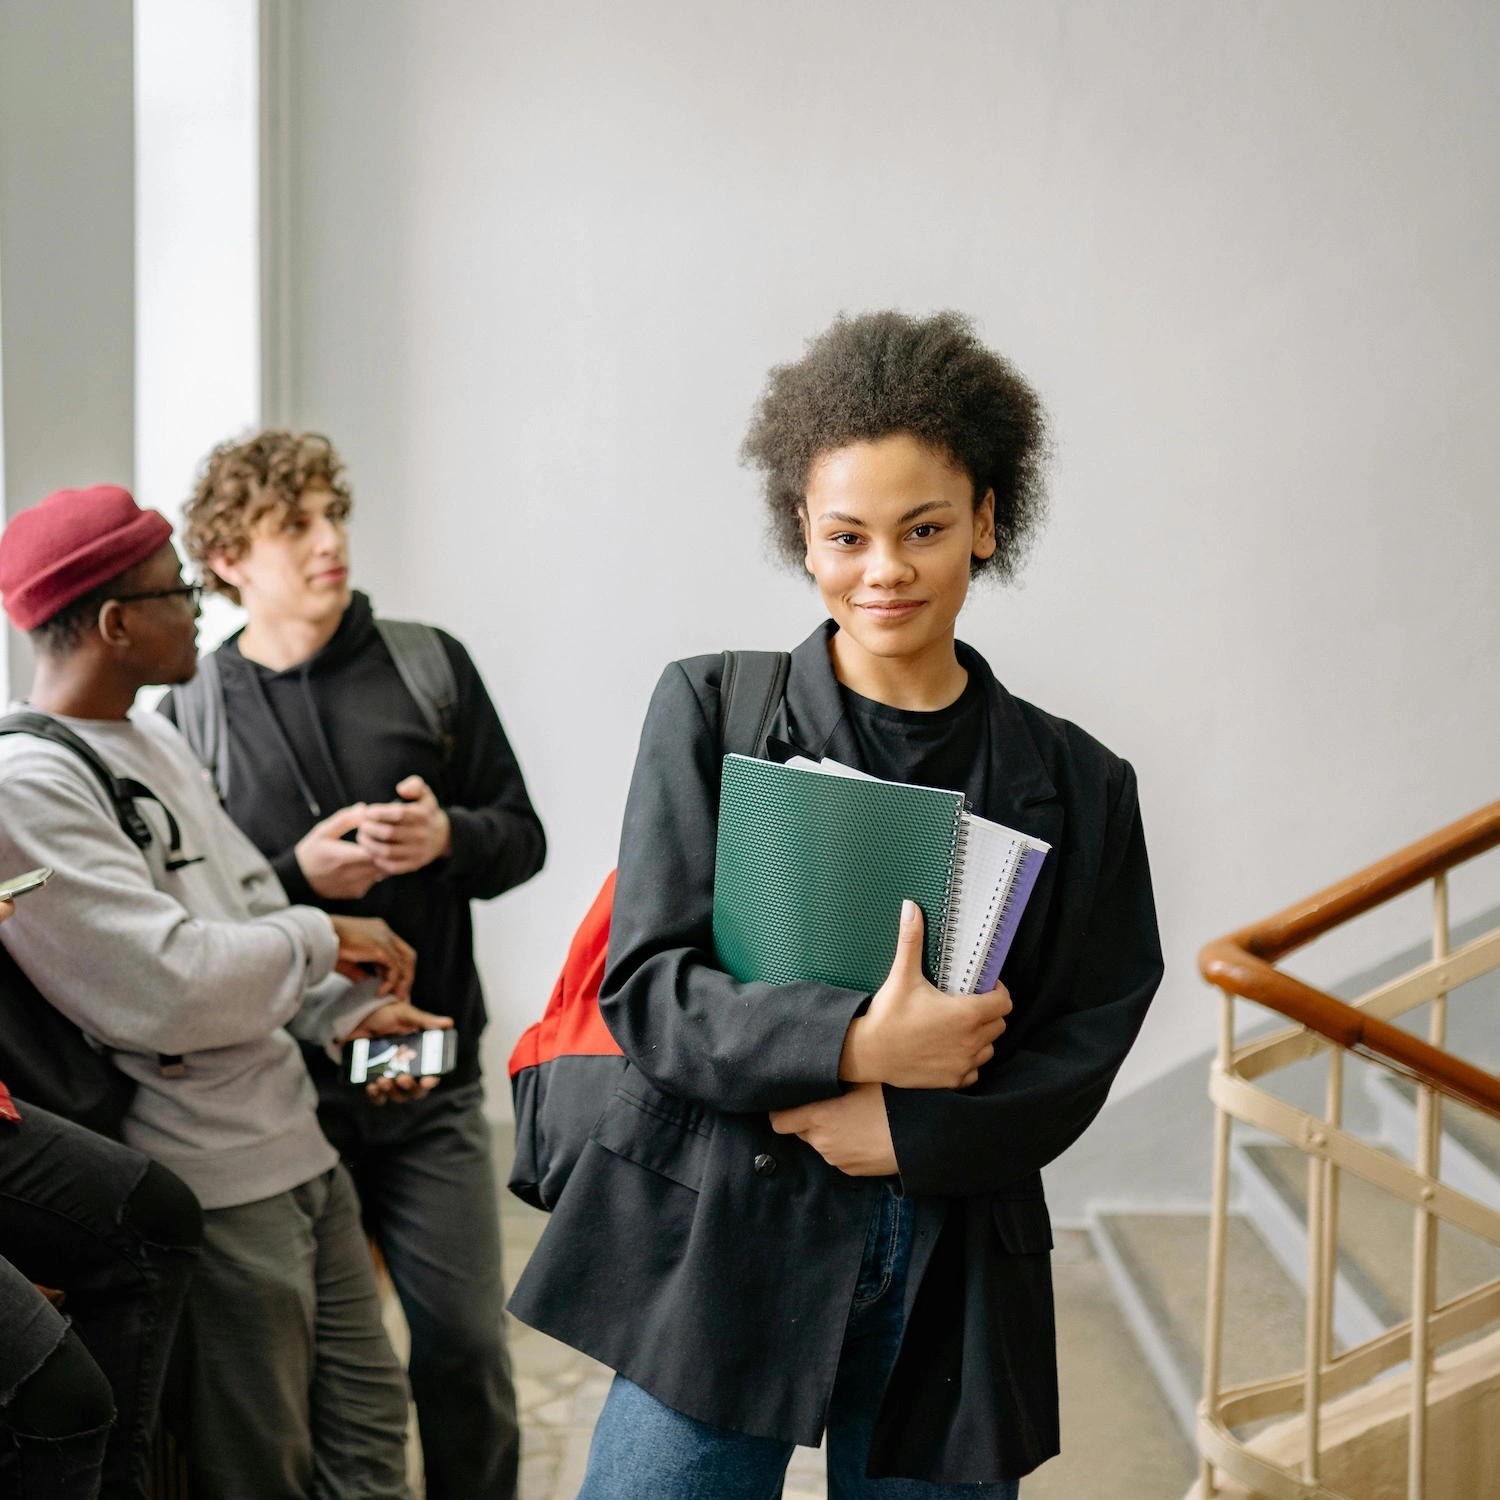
<point>544,255</point>
<point>66,258</point>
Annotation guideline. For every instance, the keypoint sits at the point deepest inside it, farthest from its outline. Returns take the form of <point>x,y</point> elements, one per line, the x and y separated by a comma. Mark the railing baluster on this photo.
<point>1218,1230</point>
<point>1424,1230</point>
<point>1312,1375</point>
<point>1334,1114</point>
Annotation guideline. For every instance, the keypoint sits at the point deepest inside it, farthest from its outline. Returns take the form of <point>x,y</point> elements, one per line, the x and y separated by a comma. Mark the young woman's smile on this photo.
<point>891,529</point>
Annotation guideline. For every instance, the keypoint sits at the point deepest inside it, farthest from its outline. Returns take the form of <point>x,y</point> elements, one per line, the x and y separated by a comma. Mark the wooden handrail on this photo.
<point>1243,962</point>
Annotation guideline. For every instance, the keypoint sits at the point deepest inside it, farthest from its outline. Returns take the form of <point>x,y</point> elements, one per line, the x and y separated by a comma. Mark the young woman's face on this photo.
<point>297,565</point>
<point>891,527</point>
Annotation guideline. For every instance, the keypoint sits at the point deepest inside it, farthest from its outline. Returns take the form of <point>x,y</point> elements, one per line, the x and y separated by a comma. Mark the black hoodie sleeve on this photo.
<point>497,837</point>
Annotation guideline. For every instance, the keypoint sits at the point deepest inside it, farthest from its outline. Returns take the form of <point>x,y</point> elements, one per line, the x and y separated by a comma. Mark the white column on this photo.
<point>197,239</point>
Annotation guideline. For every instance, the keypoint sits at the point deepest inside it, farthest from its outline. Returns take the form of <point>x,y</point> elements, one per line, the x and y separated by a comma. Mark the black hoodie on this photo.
<point>342,728</point>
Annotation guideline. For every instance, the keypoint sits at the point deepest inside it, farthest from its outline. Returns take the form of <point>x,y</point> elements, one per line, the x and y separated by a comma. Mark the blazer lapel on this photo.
<point>811,716</point>
<point>1012,786</point>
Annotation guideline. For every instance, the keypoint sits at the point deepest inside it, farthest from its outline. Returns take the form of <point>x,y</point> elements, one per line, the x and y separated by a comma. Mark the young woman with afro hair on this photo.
<point>808,1210</point>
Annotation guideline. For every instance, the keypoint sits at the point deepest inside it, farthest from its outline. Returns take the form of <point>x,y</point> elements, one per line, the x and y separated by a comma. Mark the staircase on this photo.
<point>1154,1250</point>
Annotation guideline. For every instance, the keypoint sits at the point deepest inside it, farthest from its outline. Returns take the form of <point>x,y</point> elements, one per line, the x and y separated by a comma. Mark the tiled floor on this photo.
<point>1119,1441</point>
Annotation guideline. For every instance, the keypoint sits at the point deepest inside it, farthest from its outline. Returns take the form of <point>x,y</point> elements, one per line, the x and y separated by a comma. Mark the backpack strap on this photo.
<point>426,669</point>
<point>122,791</point>
<point>198,706</point>
<point>750,692</point>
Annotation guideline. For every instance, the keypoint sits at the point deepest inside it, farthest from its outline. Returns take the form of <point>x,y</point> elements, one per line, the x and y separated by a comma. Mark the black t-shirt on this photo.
<point>938,748</point>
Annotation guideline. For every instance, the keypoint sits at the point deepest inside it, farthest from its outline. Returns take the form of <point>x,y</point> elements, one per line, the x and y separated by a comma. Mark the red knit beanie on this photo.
<point>72,542</point>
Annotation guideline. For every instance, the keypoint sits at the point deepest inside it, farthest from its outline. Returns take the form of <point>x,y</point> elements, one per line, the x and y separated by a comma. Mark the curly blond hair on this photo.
<point>243,481</point>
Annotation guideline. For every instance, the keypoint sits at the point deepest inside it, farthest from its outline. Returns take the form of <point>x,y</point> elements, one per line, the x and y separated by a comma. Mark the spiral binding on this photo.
<point>955,874</point>
<point>1007,895</point>
<point>991,926</point>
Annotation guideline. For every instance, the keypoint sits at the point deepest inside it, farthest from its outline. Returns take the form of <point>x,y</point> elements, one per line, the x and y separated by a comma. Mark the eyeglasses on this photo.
<point>192,592</point>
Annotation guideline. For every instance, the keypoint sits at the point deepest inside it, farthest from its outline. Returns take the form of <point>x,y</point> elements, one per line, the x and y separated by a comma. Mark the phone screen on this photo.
<point>417,1054</point>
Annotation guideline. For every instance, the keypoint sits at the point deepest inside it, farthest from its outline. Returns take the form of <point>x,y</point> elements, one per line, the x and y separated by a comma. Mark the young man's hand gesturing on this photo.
<point>408,835</point>
<point>367,943</point>
<point>334,866</point>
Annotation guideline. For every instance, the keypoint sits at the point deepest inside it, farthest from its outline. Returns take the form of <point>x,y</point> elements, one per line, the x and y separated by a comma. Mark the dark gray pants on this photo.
<point>426,1177</point>
<point>284,1385</point>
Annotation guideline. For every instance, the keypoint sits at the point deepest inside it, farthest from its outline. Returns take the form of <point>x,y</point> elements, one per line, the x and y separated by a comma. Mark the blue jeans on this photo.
<point>643,1450</point>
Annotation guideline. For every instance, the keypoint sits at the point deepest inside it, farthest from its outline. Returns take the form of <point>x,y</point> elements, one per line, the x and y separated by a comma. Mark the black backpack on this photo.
<point>44,1058</point>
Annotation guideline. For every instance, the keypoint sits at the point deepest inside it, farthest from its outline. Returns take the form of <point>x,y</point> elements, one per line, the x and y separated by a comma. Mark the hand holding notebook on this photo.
<point>914,1038</point>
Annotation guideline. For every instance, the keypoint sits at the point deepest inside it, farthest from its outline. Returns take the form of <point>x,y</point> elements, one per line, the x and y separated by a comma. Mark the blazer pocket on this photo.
<point>1022,1225</point>
<point>648,1138</point>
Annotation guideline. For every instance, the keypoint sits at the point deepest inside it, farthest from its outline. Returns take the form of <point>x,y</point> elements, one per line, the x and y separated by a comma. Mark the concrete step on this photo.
<point>1158,1266</point>
<point>1470,1159</point>
<point>1271,1182</point>
<point>1375,1243</point>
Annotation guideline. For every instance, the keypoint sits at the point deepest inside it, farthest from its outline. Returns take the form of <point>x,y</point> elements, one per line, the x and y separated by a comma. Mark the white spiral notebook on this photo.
<point>994,874</point>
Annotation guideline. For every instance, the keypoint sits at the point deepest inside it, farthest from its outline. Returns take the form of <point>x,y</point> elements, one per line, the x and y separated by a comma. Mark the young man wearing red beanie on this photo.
<point>181,958</point>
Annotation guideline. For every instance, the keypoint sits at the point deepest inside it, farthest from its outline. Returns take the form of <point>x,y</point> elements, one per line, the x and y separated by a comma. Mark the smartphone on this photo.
<point>21,885</point>
<point>416,1054</point>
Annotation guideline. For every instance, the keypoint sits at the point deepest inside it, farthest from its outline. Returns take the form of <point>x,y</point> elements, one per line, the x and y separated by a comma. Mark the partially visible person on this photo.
<point>117,1235</point>
<point>365,760</point>
<point>184,960</point>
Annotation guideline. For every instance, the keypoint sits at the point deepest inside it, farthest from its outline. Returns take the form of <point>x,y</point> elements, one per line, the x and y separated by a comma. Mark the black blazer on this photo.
<point>722,1290</point>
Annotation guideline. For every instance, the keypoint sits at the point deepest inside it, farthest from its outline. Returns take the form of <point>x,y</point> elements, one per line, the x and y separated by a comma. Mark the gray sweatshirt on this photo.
<point>208,962</point>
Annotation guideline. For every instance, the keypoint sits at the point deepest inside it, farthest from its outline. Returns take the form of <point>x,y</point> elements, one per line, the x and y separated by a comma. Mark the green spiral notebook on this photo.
<point>813,862</point>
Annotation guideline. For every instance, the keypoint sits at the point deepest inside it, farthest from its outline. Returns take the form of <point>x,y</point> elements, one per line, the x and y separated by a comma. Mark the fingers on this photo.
<point>791,1121</point>
<point>345,820</point>
<point>907,963</point>
<point>412,788</point>
<point>403,966</point>
<point>400,1016</point>
<point>393,815</point>
<point>995,1002</point>
<point>368,940</point>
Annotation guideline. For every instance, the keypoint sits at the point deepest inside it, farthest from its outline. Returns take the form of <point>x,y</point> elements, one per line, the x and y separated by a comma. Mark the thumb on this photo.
<point>336,825</point>
<point>908,959</point>
<point>412,788</point>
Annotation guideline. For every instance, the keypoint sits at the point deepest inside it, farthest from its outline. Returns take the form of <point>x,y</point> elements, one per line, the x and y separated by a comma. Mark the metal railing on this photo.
<point>1243,965</point>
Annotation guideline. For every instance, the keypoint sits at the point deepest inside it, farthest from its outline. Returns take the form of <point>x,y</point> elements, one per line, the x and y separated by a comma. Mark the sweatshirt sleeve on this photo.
<point>498,841</point>
<point>687,1025</point>
<point>1034,1100</point>
<point>332,1009</point>
<point>127,962</point>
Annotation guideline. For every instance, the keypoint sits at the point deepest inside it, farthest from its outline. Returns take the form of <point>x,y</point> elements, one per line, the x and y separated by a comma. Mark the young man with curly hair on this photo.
<point>367,800</point>
<point>808,1209</point>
